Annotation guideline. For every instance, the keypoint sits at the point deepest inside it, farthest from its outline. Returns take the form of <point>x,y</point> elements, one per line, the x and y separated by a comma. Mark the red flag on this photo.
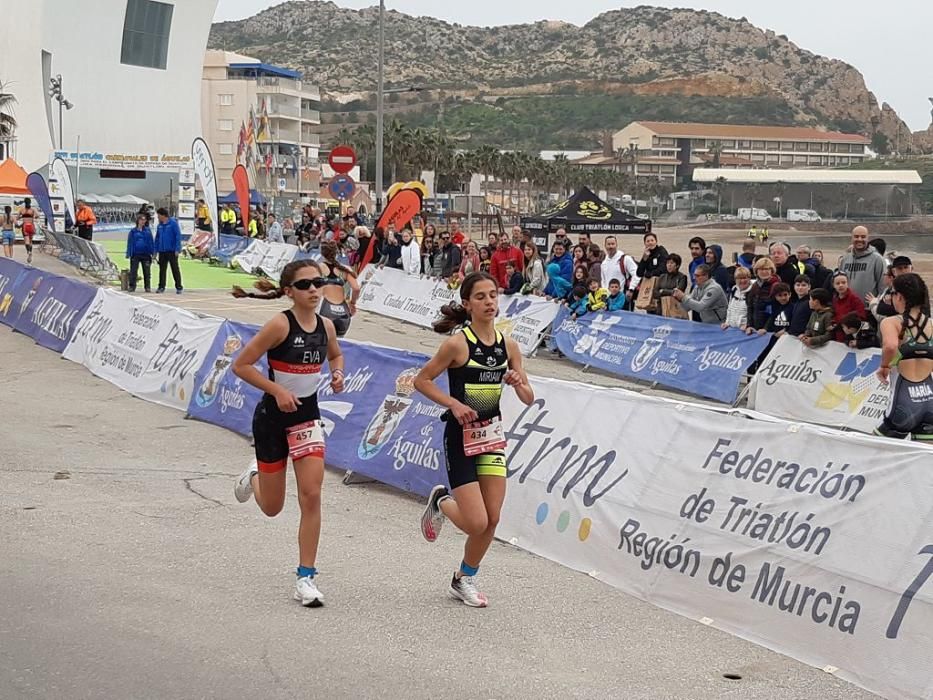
<point>241,187</point>
<point>401,209</point>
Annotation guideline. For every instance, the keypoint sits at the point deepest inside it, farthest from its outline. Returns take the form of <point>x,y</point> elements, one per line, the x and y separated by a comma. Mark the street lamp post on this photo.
<point>380,107</point>
<point>55,91</point>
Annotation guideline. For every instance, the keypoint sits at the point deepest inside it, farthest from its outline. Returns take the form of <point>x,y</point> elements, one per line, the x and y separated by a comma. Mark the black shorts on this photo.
<point>910,410</point>
<point>339,314</point>
<point>463,470</point>
<point>269,430</point>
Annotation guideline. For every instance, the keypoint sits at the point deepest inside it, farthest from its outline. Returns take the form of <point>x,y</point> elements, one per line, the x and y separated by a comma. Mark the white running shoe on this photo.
<point>464,588</point>
<point>432,519</point>
<point>29,259</point>
<point>244,484</point>
<point>307,592</point>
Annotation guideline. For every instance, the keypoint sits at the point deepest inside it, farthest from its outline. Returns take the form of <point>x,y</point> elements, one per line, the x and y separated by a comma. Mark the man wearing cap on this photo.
<point>881,306</point>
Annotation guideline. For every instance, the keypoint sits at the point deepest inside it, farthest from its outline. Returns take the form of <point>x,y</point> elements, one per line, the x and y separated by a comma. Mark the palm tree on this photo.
<point>780,187</point>
<point>715,150</point>
<point>7,120</point>
<point>753,189</point>
<point>562,172</point>
<point>847,191</point>
<point>719,186</point>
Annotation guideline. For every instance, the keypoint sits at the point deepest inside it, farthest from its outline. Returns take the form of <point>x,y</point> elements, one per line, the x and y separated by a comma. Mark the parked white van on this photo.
<point>754,215</point>
<point>803,215</point>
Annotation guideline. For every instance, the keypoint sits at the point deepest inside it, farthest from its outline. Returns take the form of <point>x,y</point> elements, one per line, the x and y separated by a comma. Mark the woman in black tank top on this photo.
<point>478,361</point>
<point>287,422</point>
<point>335,304</point>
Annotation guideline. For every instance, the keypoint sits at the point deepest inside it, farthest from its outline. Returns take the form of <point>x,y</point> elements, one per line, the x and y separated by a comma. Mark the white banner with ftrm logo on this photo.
<point>811,542</point>
<point>150,350</point>
<point>251,258</point>
<point>833,385</point>
<point>418,300</point>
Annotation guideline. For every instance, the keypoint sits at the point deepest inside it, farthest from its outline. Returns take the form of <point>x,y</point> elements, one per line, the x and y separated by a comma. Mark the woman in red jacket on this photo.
<point>845,301</point>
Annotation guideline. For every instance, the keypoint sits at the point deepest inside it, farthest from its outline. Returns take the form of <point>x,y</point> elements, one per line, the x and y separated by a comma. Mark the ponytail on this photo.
<point>268,290</point>
<point>453,316</point>
<point>329,254</point>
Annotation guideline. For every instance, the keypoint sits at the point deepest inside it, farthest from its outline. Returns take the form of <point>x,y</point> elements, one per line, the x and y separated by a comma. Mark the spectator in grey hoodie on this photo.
<point>707,298</point>
<point>864,266</point>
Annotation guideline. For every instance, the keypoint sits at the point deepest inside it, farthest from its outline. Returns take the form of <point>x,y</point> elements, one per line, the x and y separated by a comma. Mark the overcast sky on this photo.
<point>888,42</point>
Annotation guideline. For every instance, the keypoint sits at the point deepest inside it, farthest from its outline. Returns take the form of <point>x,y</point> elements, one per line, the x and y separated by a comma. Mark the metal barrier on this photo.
<point>87,256</point>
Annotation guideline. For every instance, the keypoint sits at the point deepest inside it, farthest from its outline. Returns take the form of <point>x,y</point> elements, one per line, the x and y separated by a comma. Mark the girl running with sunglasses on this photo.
<point>287,421</point>
<point>478,360</point>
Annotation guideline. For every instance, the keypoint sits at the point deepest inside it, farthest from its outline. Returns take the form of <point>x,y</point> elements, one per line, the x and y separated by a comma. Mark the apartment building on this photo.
<point>671,150</point>
<point>287,118</point>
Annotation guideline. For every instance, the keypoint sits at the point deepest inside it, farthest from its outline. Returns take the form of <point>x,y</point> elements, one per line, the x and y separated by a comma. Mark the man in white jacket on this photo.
<point>611,268</point>
<point>411,254</point>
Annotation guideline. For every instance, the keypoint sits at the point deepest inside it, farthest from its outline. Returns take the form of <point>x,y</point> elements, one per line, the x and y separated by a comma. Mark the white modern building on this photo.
<point>285,112</point>
<point>130,68</point>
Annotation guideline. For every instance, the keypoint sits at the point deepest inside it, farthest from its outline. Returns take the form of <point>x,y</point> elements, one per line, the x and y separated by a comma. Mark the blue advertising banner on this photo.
<point>10,273</point>
<point>698,358</point>
<point>220,397</point>
<point>52,308</point>
<point>378,426</point>
<point>229,246</point>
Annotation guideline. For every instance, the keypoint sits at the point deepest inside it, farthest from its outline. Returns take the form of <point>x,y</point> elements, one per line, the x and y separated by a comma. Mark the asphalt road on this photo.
<point>128,570</point>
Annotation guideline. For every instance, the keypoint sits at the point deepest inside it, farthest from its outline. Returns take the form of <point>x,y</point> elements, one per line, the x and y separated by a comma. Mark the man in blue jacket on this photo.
<point>139,250</point>
<point>564,259</point>
<point>168,246</point>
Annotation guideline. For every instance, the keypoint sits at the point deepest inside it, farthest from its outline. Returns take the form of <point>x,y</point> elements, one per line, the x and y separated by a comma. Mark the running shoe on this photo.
<point>464,589</point>
<point>244,484</point>
<point>433,518</point>
<point>29,259</point>
<point>306,591</point>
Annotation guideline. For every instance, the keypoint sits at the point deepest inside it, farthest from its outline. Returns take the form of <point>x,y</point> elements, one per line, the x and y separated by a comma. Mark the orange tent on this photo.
<point>12,178</point>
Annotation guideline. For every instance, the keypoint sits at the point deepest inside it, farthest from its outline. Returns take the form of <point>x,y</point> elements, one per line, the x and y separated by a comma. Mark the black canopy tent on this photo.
<point>583,212</point>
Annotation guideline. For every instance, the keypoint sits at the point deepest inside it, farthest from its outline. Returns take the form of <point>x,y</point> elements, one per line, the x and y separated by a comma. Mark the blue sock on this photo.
<point>303,571</point>
<point>468,570</point>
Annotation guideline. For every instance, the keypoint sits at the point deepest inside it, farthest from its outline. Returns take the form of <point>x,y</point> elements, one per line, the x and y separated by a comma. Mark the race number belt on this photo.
<point>483,437</point>
<point>306,440</point>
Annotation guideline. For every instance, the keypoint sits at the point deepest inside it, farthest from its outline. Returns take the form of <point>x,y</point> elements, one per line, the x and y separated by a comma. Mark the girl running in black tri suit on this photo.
<point>478,360</point>
<point>287,422</point>
<point>334,303</point>
<point>907,361</point>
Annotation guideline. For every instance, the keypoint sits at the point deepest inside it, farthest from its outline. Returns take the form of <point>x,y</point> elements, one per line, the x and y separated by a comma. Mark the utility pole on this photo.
<point>380,107</point>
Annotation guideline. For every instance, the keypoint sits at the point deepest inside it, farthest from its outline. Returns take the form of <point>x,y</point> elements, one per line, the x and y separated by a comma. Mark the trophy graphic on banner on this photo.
<point>207,392</point>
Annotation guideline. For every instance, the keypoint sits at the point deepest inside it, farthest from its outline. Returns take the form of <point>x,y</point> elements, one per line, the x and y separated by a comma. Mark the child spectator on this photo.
<point>616,300</point>
<point>858,333</point>
<point>557,287</point>
<point>737,311</point>
<point>819,327</point>
<point>798,323</point>
<point>597,299</point>
<point>514,278</point>
<point>577,301</point>
<point>845,301</point>
<point>782,311</point>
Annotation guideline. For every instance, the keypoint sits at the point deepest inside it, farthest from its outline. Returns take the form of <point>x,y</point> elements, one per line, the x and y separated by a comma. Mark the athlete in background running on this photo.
<point>478,360</point>
<point>6,227</point>
<point>907,356</point>
<point>27,222</point>
<point>335,304</point>
<point>287,421</point>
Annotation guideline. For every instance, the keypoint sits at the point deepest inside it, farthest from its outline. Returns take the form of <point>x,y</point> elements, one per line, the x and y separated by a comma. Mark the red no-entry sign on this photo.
<point>342,159</point>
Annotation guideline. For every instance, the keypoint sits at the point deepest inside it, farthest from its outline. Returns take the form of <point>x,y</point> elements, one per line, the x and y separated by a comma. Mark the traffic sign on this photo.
<point>342,187</point>
<point>342,159</point>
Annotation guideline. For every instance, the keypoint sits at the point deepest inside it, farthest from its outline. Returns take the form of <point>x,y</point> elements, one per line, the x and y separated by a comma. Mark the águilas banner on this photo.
<point>833,385</point>
<point>816,544</point>
<point>241,187</point>
<point>698,358</point>
<point>51,309</point>
<point>40,192</point>
<point>204,169</point>
<point>61,190</point>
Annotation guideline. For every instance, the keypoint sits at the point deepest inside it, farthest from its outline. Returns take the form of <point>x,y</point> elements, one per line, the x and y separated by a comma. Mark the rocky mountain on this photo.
<point>643,62</point>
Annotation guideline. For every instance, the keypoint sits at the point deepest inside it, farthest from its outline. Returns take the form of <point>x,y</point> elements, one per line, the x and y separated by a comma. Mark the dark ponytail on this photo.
<point>329,253</point>
<point>914,290</point>
<point>454,315</point>
<point>268,289</point>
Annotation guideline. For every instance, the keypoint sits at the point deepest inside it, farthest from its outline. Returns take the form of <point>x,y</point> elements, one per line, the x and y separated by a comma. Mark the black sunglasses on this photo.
<point>306,284</point>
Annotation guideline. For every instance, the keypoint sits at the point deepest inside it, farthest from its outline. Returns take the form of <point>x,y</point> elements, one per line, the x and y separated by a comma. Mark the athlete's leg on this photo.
<point>309,472</point>
<point>269,489</point>
<point>493,494</point>
<point>466,509</point>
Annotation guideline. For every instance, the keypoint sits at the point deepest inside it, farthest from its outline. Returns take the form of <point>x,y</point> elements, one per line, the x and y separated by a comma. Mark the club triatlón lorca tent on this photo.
<point>583,212</point>
<point>12,178</point>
